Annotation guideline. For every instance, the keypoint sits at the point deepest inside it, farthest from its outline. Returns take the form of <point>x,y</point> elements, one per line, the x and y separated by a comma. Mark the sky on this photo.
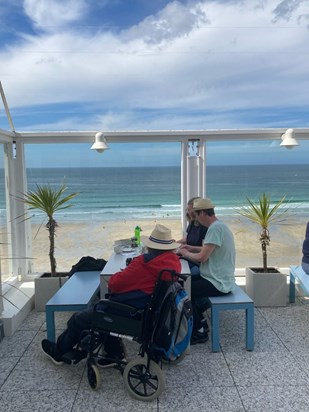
<point>156,65</point>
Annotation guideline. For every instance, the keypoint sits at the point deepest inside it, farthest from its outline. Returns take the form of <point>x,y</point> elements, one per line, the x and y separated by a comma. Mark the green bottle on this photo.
<point>137,235</point>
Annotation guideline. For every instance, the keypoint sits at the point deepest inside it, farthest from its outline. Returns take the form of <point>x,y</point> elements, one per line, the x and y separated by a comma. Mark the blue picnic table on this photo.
<point>78,293</point>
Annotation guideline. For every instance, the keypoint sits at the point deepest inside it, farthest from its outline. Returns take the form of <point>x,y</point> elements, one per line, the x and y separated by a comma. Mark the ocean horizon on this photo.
<point>127,193</point>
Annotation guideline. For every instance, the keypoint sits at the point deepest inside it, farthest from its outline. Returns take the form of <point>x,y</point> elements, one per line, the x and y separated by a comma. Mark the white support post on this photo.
<point>184,185</point>
<point>192,177</point>
<point>202,168</point>
<point>19,230</point>
<point>196,178</point>
<point>193,174</point>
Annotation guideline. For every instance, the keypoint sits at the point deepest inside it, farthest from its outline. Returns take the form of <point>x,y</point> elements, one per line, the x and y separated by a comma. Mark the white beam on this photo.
<point>6,136</point>
<point>6,107</point>
<point>157,136</point>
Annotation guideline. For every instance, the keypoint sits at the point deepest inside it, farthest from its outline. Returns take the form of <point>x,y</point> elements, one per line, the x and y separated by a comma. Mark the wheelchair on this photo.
<point>143,376</point>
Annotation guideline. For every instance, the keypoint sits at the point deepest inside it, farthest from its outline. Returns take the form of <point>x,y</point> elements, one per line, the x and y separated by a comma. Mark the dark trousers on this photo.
<point>75,326</point>
<point>201,288</point>
<point>81,321</point>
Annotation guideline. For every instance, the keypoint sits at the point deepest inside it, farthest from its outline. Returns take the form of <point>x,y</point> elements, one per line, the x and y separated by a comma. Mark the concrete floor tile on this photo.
<point>275,398</point>
<point>272,378</point>
<point>17,344</point>
<point>290,317</point>
<point>34,321</point>
<point>43,401</point>
<point>41,374</point>
<point>265,340</point>
<point>106,400</point>
<point>206,399</point>
<point>6,366</point>
<point>198,369</point>
<point>254,369</point>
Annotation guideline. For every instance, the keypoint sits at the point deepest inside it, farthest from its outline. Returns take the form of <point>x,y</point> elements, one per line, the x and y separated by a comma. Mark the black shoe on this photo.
<point>74,356</point>
<point>204,324</point>
<point>109,362</point>
<point>50,349</point>
<point>199,337</point>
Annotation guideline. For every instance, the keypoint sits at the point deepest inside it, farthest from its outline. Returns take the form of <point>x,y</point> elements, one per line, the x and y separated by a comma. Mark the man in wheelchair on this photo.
<point>133,286</point>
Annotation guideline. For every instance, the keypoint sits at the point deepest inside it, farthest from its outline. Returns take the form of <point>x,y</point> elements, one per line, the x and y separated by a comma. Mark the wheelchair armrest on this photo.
<point>109,304</point>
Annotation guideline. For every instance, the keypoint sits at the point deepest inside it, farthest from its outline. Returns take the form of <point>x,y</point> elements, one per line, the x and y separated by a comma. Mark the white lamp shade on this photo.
<point>288,139</point>
<point>100,143</point>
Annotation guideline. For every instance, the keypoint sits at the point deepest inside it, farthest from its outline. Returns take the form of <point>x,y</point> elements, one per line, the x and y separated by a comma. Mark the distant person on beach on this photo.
<point>133,285</point>
<point>195,235</point>
<point>217,265</point>
<point>305,259</point>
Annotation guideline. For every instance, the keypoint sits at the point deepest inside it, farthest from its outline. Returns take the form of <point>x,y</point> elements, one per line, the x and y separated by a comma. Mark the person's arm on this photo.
<point>201,256</point>
<point>193,249</point>
<point>183,240</point>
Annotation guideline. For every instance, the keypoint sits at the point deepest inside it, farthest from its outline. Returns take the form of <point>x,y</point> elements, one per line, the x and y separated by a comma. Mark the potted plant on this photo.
<point>265,285</point>
<point>49,201</point>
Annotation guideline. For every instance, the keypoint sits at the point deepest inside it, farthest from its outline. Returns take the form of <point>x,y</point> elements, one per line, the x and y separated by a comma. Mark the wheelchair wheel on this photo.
<point>93,375</point>
<point>142,383</point>
<point>174,361</point>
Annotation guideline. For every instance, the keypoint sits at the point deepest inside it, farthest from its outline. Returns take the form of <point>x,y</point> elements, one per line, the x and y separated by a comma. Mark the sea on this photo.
<point>128,193</point>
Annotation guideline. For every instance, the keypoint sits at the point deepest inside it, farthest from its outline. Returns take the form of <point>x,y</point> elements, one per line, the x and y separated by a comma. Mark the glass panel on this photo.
<point>128,185</point>
<point>239,170</point>
<point>4,269</point>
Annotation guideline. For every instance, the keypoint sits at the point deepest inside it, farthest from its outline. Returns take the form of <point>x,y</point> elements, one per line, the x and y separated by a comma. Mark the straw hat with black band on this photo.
<point>160,238</point>
<point>203,204</point>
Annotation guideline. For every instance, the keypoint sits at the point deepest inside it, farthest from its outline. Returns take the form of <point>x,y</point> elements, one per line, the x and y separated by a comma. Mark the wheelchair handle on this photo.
<point>173,273</point>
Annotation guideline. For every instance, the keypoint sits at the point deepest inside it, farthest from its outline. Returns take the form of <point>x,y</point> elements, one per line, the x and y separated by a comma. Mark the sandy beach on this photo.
<point>75,240</point>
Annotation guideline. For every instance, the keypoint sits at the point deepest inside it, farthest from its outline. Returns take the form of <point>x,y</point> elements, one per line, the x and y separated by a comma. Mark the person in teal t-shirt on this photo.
<point>217,264</point>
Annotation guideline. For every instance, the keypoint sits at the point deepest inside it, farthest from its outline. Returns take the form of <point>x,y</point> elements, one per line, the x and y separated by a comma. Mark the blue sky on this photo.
<point>154,65</point>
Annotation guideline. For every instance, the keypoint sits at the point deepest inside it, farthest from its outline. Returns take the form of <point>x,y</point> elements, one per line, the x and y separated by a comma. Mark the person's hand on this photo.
<point>184,246</point>
<point>183,252</point>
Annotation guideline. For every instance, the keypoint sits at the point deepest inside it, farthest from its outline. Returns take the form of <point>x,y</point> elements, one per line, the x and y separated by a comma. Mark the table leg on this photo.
<point>215,340</point>
<point>250,327</point>
<point>292,288</point>
<point>50,325</point>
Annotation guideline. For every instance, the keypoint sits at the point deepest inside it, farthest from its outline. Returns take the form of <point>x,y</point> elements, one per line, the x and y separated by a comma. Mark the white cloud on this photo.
<point>50,15</point>
<point>174,21</point>
<point>211,57</point>
<point>287,8</point>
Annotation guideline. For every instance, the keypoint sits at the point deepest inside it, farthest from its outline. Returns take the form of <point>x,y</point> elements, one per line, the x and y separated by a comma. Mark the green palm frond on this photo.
<point>49,201</point>
<point>263,214</point>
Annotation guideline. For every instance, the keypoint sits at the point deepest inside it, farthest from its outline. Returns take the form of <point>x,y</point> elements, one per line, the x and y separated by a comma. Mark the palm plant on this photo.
<point>262,213</point>
<point>49,201</point>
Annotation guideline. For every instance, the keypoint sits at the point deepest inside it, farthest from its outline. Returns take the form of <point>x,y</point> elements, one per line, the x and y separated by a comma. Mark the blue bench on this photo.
<point>78,292</point>
<point>297,273</point>
<point>237,299</point>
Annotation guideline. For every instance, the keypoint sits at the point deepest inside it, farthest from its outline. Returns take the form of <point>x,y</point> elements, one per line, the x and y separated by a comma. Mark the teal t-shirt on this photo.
<point>219,269</point>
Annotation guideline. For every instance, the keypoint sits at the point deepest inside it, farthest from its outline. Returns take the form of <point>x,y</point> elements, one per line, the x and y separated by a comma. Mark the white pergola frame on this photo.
<point>193,168</point>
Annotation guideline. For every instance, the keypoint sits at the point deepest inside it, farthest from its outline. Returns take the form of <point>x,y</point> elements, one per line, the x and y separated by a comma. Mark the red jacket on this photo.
<point>141,275</point>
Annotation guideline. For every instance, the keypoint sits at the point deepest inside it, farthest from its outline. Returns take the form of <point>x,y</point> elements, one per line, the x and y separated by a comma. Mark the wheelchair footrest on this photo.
<point>74,356</point>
